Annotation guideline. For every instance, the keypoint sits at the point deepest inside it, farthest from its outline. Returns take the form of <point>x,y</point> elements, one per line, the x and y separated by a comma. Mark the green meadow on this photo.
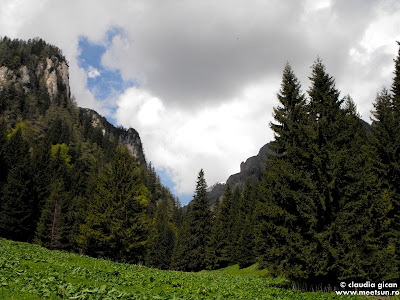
<point>32,272</point>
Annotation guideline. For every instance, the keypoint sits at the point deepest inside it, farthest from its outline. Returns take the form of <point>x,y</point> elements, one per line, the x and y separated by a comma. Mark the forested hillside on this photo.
<point>69,179</point>
<point>325,210</point>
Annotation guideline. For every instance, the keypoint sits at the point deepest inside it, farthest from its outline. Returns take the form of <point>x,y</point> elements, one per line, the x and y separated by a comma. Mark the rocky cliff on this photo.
<point>129,137</point>
<point>34,76</point>
<point>251,169</point>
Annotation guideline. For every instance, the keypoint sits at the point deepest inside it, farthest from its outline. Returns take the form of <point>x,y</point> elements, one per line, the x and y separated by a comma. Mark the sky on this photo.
<point>198,79</point>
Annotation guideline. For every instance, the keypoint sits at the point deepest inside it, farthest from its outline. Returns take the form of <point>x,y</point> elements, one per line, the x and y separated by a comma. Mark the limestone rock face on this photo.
<point>43,77</point>
<point>63,73</point>
<point>3,77</point>
<point>25,78</point>
<point>55,74</point>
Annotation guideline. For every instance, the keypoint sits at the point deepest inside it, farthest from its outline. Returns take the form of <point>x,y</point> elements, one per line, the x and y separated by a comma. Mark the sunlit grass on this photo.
<point>32,272</point>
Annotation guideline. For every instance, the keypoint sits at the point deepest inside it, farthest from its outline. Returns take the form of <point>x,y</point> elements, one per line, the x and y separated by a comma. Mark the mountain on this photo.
<point>34,76</point>
<point>69,179</point>
<point>129,137</point>
<point>251,169</point>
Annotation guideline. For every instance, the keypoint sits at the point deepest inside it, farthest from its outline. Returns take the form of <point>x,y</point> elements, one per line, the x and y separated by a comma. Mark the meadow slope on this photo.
<point>32,272</point>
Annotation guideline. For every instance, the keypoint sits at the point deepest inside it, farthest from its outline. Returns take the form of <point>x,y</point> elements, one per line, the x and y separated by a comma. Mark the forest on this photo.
<point>325,210</point>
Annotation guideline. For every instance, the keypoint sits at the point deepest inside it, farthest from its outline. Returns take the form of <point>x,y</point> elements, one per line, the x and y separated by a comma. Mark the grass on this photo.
<point>31,272</point>
<point>249,271</point>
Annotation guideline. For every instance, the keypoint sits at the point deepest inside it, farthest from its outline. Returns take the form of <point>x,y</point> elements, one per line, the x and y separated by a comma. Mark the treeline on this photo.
<point>15,53</point>
<point>327,207</point>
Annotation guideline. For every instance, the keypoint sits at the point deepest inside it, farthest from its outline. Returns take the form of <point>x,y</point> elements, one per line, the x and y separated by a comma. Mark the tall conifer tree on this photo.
<point>246,254</point>
<point>116,225</point>
<point>284,213</point>
<point>195,231</point>
<point>386,143</point>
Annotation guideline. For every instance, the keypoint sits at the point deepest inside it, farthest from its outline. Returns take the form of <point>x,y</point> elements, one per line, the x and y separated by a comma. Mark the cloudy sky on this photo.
<point>198,79</point>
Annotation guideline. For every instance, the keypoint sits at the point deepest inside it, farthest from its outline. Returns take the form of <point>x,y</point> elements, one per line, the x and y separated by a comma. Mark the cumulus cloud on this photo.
<point>93,72</point>
<point>183,142</point>
<point>208,71</point>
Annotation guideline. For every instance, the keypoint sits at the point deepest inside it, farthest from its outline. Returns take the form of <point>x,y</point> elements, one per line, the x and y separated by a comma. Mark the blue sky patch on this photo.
<point>103,82</point>
<point>106,83</point>
<point>166,180</point>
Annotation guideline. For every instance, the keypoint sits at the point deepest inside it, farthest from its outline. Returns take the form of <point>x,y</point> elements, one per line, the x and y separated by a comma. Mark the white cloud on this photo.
<point>93,72</point>
<point>214,138</point>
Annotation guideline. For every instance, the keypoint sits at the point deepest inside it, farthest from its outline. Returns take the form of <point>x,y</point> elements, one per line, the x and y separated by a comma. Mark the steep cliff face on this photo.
<point>251,169</point>
<point>34,76</point>
<point>129,137</point>
<point>51,73</point>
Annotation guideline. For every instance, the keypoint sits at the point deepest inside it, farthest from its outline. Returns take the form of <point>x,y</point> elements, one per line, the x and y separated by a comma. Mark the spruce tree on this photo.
<point>233,227</point>
<point>162,237</point>
<point>219,246</point>
<point>246,255</point>
<point>195,231</point>
<point>117,225</point>
<point>386,145</point>
<point>346,197</point>
<point>17,206</point>
<point>284,214</point>
<point>183,244</point>
<point>50,227</point>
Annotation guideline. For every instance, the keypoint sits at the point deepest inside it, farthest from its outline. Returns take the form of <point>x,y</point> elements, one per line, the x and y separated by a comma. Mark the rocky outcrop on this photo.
<point>54,73</point>
<point>35,69</point>
<point>251,169</point>
<point>215,192</point>
<point>129,137</point>
<point>50,71</point>
<point>3,77</point>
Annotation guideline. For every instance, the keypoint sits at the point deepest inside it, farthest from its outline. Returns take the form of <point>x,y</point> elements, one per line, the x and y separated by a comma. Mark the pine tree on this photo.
<point>285,215</point>
<point>361,221</point>
<point>3,147</point>
<point>162,237</point>
<point>116,225</point>
<point>219,246</point>
<point>17,203</point>
<point>246,255</point>
<point>50,226</point>
<point>233,227</point>
<point>386,145</point>
<point>183,245</point>
<point>195,231</point>
<point>214,241</point>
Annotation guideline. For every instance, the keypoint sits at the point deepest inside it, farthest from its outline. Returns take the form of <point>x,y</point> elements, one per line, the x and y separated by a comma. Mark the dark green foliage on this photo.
<point>17,204</point>
<point>14,53</point>
<point>116,225</point>
<point>50,229</point>
<point>386,151</point>
<point>324,212</point>
<point>3,152</point>
<point>245,250</point>
<point>284,211</point>
<point>162,237</point>
<point>218,253</point>
<point>195,231</point>
<point>327,208</point>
